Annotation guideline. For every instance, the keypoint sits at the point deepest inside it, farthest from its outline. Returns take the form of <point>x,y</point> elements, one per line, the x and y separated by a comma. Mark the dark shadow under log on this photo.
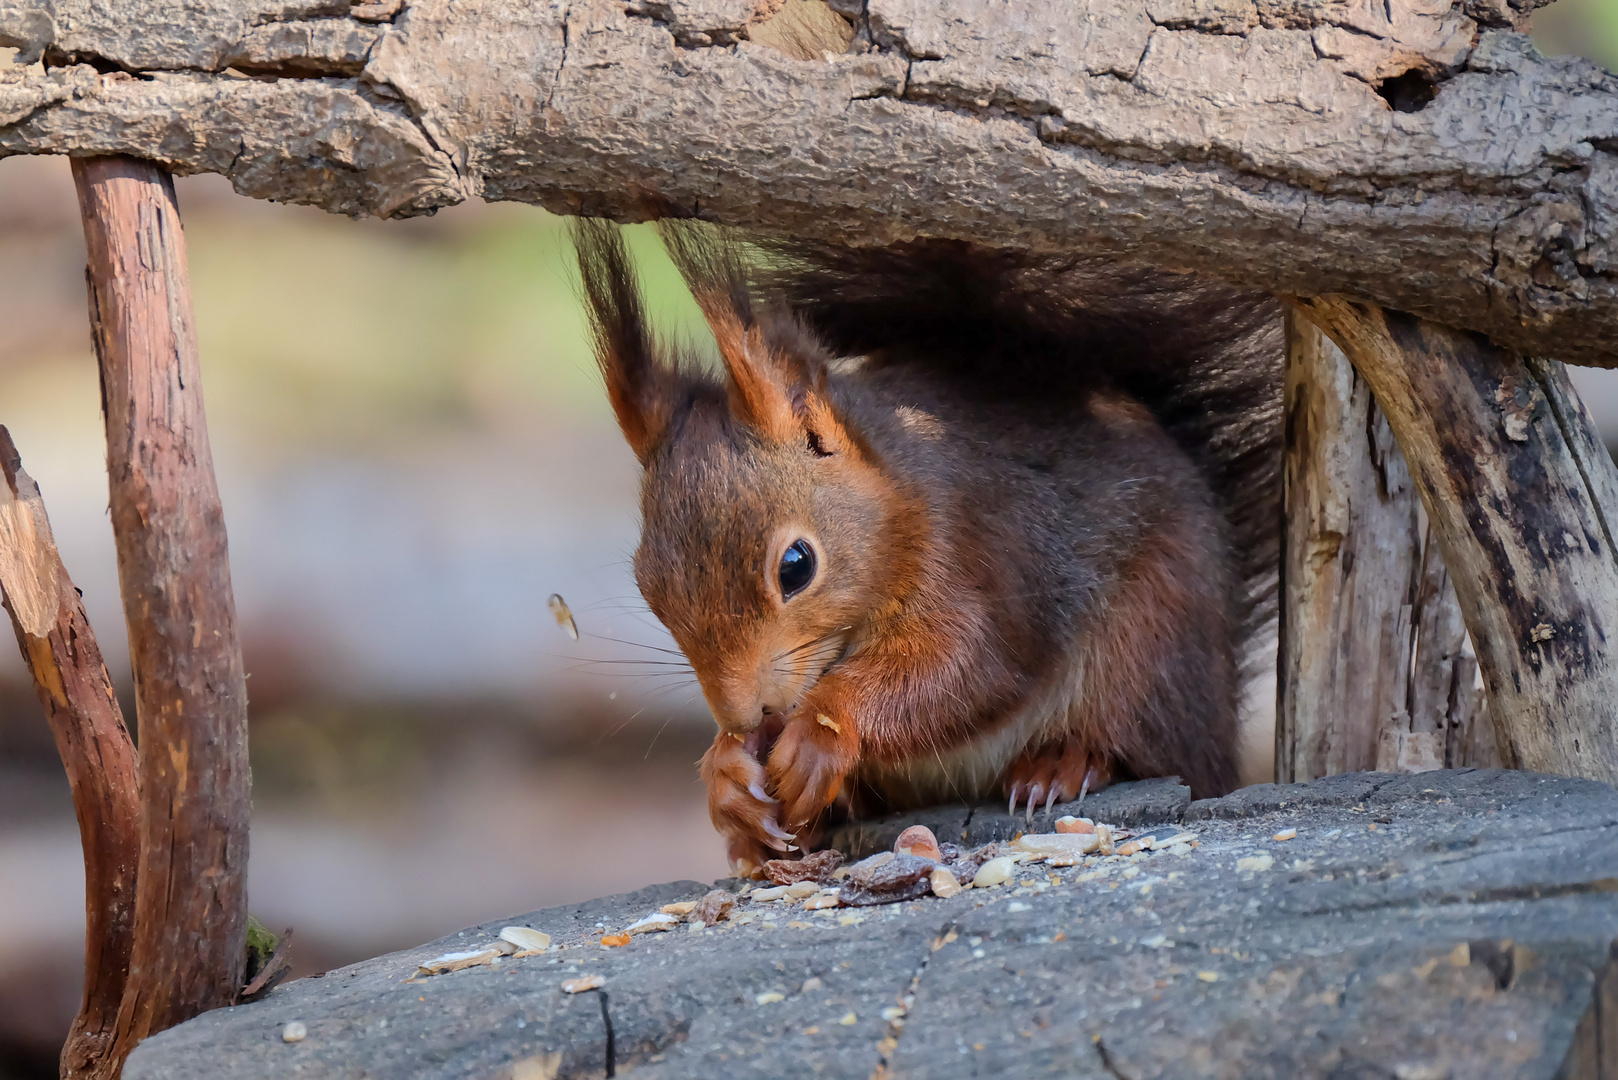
<point>1518,487</point>
<point>88,725</point>
<point>191,700</point>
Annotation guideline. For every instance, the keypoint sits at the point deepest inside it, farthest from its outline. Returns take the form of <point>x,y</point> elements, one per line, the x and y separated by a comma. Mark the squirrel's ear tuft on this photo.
<point>766,384</point>
<point>640,384</point>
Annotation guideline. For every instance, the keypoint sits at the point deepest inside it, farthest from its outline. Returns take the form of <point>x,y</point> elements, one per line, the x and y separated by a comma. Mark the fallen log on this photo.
<point>1449,924</point>
<point>1296,146</point>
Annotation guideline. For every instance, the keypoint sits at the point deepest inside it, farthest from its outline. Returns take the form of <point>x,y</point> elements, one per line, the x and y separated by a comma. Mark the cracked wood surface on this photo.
<point>1519,489</point>
<point>1243,138</point>
<point>1450,924</point>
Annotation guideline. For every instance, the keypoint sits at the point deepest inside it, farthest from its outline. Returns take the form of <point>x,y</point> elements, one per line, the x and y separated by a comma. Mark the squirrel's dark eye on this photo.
<point>797,569</point>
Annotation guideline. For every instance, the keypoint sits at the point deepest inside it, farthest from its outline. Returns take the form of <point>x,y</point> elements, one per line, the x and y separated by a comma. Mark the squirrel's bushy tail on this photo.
<point>1206,359</point>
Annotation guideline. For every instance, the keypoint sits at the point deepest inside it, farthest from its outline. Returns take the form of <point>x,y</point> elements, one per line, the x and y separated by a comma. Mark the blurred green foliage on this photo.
<point>333,334</point>
<point>1587,28</point>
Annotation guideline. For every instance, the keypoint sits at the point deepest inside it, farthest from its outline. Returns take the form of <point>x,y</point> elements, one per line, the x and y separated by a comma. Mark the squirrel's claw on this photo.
<point>1058,771</point>
<point>1034,792</point>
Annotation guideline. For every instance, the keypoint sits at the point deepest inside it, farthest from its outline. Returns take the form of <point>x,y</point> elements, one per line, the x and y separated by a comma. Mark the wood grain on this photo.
<point>88,725</point>
<point>1521,493</point>
<point>191,702</point>
<point>1350,567</point>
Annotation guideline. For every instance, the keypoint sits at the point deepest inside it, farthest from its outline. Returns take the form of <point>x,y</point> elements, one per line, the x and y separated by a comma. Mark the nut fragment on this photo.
<point>682,907</point>
<point>526,938</point>
<point>295,1031</point>
<point>612,941</point>
<point>583,983</point>
<point>1255,863</point>
<point>943,883</point>
<point>1057,843</point>
<point>887,881</point>
<point>713,907</point>
<point>653,922</point>
<point>769,998</point>
<point>1071,824</point>
<point>458,961</point>
<point>997,871</point>
<point>918,840</point>
<point>827,899</point>
<point>817,867</point>
<point>1286,834</point>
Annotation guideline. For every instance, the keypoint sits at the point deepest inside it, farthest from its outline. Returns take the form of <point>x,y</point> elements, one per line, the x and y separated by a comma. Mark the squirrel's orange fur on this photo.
<point>1020,585</point>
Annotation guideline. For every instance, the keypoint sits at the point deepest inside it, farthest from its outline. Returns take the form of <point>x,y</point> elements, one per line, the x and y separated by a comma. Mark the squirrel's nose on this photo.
<point>737,711</point>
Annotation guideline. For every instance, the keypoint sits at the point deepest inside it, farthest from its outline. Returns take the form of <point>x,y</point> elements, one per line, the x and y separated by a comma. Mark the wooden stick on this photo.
<point>191,699</point>
<point>71,678</point>
<point>1521,493</point>
<point>1349,567</point>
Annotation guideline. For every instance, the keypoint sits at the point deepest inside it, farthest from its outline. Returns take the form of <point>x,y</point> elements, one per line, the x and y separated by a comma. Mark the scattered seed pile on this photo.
<point>917,867</point>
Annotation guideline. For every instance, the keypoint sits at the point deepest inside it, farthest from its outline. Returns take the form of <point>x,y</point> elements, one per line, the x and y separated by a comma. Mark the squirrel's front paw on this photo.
<point>739,805</point>
<point>813,756</point>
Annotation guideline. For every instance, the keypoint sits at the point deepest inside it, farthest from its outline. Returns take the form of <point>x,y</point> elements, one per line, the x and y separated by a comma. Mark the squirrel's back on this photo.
<point>1206,360</point>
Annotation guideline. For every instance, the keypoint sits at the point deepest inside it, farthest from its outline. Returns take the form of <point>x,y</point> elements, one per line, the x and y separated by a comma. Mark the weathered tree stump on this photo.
<point>191,699</point>
<point>1350,567</point>
<point>1518,487</point>
<point>1373,668</point>
<point>1451,924</point>
<point>88,725</point>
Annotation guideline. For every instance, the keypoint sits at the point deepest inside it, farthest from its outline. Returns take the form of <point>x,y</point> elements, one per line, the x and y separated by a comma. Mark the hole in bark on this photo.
<point>1409,92</point>
<point>1499,960</point>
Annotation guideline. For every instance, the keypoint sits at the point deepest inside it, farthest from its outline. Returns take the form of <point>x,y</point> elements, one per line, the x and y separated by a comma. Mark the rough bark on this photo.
<point>1350,567</point>
<point>191,701</point>
<point>1518,487</point>
<point>88,725</point>
<point>1300,146</point>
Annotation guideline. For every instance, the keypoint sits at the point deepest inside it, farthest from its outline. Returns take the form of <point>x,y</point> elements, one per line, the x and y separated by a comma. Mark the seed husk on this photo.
<point>563,615</point>
<point>526,938</point>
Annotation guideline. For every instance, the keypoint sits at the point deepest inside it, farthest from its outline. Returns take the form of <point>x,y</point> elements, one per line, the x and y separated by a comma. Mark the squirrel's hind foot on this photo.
<point>1055,772</point>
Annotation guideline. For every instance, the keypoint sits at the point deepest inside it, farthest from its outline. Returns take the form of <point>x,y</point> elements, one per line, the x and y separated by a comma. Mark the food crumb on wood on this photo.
<point>526,938</point>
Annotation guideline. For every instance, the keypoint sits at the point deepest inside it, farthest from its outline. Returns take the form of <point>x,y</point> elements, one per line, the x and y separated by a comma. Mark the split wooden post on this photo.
<point>1519,489</point>
<point>191,700</point>
<point>88,725</point>
<point>1351,548</point>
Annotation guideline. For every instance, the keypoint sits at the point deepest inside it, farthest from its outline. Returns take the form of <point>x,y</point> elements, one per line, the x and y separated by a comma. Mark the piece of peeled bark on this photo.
<point>817,867</point>
<point>713,907</point>
<point>887,880</point>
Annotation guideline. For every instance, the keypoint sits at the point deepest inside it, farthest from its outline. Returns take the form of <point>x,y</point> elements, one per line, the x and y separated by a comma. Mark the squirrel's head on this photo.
<point>770,534</point>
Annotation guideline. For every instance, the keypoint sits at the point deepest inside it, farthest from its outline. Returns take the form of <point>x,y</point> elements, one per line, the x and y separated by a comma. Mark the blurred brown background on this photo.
<point>413,452</point>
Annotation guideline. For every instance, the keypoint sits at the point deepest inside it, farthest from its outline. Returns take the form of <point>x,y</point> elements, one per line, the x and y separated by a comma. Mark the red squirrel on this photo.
<point>950,523</point>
